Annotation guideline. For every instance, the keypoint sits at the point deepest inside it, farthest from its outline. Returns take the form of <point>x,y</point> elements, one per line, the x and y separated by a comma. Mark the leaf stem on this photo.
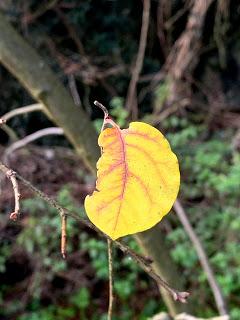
<point>102,107</point>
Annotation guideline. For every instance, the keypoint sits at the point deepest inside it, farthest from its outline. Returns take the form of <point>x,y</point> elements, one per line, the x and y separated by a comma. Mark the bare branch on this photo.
<point>43,8</point>
<point>74,91</point>
<point>172,20</point>
<point>11,175</point>
<point>141,261</point>
<point>30,138</point>
<point>9,131</point>
<point>33,107</point>
<point>164,12</point>
<point>220,302</point>
<point>63,235</point>
<point>110,268</point>
<point>72,32</point>
<point>131,100</point>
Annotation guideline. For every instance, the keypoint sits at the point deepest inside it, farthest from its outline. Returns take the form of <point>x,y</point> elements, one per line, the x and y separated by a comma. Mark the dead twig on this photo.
<point>110,268</point>
<point>160,28</point>
<point>141,261</point>
<point>83,68</point>
<point>220,302</point>
<point>74,91</point>
<point>173,19</point>
<point>16,112</point>
<point>63,235</point>
<point>11,175</point>
<point>9,131</point>
<point>72,32</point>
<point>31,17</point>
<point>30,138</point>
<point>131,100</point>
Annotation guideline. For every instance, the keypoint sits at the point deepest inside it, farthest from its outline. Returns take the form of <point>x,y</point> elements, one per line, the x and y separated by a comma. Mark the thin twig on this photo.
<point>131,100</point>
<point>63,235</point>
<point>43,8</point>
<point>173,19</point>
<point>74,91</point>
<point>141,261</point>
<point>160,28</point>
<point>30,138</point>
<point>72,32</point>
<point>9,131</point>
<point>33,107</point>
<point>220,302</point>
<point>110,276</point>
<point>11,175</point>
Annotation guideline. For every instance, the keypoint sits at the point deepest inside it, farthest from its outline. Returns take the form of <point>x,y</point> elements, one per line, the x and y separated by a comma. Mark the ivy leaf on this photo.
<point>137,180</point>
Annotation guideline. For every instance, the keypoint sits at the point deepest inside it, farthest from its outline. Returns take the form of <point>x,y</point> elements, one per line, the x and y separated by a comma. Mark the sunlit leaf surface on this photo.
<point>137,180</point>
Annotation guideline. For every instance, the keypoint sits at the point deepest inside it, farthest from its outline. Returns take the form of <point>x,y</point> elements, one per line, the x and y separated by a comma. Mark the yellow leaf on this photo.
<point>137,180</point>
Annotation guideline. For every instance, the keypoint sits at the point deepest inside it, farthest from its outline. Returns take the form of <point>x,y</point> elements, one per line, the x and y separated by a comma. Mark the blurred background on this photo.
<point>174,64</point>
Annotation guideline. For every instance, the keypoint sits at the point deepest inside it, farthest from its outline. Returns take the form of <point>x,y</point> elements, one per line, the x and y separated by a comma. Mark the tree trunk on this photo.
<point>34,74</point>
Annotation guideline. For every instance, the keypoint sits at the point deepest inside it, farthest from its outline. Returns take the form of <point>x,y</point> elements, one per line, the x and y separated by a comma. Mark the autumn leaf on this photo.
<point>137,180</point>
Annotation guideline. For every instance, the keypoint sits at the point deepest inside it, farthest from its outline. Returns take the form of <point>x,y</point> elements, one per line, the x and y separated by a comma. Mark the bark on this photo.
<point>34,74</point>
